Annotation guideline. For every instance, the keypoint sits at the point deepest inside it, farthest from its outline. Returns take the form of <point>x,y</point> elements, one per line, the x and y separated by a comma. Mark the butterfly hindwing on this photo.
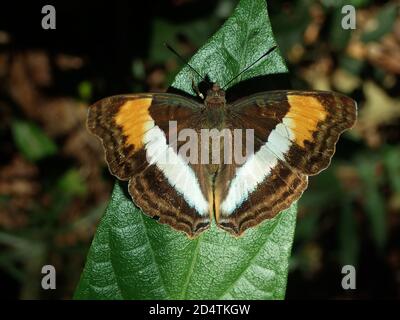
<point>280,187</point>
<point>157,197</point>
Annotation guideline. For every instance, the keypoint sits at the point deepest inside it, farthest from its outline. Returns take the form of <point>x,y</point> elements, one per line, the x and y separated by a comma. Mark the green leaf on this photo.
<point>391,160</point>
<point>349,244</point>
<point>244,37</point>
<point>350,64</point>
<point>339,37</point>
<point>166,32</point>
<point>289,27</point>
<point>341,3</point>
<point>374,203</point>
<point>72,183</point>
<point>85,90</point>
<point>31,141</point>
<point>134,257</point>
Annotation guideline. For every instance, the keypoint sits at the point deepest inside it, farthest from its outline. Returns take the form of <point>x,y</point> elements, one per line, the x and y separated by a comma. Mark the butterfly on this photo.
<point>294,136</point>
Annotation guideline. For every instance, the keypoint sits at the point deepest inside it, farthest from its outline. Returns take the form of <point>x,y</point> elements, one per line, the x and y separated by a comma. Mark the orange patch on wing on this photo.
<point>304,114</point>
<point>134,119</point>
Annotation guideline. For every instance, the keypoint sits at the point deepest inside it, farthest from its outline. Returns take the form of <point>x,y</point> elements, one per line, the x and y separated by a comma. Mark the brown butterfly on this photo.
<point>294,136</point>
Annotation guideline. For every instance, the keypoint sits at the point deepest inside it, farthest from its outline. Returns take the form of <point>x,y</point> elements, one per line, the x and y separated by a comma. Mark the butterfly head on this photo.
<point>215,97</point>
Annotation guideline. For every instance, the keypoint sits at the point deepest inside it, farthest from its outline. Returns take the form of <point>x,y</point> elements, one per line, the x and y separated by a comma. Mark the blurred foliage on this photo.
<point>31,141</point>
<point>54,184</point>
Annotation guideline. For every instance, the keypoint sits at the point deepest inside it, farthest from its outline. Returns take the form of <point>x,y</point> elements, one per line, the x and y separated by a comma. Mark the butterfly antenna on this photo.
<point>184,61</point>
<point>248,67</point>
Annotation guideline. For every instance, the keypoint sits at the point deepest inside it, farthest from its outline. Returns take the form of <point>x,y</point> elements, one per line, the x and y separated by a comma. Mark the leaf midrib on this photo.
<point>250,262</point>
<point>192,264</point>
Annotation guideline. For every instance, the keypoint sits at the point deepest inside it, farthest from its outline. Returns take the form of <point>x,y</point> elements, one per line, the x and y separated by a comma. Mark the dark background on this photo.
<point>53,182</point>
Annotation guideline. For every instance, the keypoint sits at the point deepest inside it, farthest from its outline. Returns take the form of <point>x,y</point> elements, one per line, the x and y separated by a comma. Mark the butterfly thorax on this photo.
<point>215,108</point>
<point>215,98</point>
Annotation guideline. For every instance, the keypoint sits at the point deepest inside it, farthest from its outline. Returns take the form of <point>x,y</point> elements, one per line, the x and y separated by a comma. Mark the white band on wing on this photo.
<point>178,173</point>
<point>258,167</point>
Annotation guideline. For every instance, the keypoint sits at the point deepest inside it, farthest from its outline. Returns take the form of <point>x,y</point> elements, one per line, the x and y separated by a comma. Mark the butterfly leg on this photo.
<point>196,89</point>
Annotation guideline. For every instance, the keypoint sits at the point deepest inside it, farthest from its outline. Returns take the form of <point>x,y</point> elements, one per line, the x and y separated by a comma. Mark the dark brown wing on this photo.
<point>134,130</point>
<point>295,136</point>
